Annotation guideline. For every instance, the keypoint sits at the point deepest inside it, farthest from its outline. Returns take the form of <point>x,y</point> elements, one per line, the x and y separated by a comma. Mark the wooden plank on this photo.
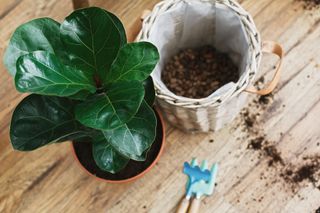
<point>48,180</point>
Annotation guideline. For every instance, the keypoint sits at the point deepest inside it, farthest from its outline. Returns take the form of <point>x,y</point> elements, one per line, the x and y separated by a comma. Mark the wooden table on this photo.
<point>49,180</point>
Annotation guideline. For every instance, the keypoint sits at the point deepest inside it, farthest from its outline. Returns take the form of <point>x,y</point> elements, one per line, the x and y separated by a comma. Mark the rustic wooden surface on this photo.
<point>49,180</point>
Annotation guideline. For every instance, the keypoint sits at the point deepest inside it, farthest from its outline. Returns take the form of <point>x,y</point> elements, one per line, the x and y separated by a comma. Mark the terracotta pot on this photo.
<point>157,147</point>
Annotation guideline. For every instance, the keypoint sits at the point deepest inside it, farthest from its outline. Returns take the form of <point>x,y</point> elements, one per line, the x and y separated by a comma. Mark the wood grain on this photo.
<point>48,180</point>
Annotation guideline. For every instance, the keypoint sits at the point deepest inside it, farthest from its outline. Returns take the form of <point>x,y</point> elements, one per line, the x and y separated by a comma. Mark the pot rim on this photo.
<point>131,179</point>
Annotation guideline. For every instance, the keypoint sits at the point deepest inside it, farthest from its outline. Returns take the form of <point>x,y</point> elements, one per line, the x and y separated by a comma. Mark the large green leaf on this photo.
<point>136,136</point>
<point>111,109</point>
<point>38,34</point>
<point>135,61</point>
<point>40,120</point>
<point>106,157</point>
<point>93,39</point>
<point>149,96</point>
<point>43,73</point>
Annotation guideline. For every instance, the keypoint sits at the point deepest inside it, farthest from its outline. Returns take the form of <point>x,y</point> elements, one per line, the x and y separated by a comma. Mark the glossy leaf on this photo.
<point>40,120</point>
<point>93,39</point>
<point>106,157</point>
<point>38,34</point>
<point>135,61</point>
<point>111,109</point>
<point>81,95</point>
<point>149,96</point>
<point>133,138</point>
<point>141,157</point>
<point>43,73</point>
<point>120,28</point>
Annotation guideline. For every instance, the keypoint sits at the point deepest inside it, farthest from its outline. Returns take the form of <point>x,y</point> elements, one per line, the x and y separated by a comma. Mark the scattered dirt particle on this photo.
<point>249,119</point>
<point>274,154</point>
<point>265,99</point>
<point>317,210</point>
<point>308,171</point>
<point>260,81</point>
<point>289,172</point>
<point>260,199</point>
<point>256,143</point>
<point>249,122</point>
<point>305,172</point>
<point>310,4</point>
<point>211,141</point>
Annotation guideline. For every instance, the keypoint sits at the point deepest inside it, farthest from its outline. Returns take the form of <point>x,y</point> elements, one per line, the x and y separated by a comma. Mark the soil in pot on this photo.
<point>198,72</point>
<point>83,151</point>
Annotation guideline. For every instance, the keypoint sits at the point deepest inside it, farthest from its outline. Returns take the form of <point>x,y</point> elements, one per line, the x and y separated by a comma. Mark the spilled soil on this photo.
<point>310,4</point>
<point>305,171</point>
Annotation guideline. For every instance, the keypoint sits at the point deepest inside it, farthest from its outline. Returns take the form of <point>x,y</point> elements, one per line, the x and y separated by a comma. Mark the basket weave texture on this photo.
<point>205,114</point>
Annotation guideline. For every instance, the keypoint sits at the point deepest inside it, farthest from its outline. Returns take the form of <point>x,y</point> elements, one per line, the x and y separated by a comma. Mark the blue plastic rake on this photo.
<point>201,181</point>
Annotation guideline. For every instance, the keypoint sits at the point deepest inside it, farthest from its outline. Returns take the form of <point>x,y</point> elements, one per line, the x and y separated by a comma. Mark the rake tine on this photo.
<point>214,170</point>
<point>194,162</point>
<point>204,165</point>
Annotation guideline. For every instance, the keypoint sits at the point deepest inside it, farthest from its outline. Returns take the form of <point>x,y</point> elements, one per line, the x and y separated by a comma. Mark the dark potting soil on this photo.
<point>84,153</point>
<point>198,72</point>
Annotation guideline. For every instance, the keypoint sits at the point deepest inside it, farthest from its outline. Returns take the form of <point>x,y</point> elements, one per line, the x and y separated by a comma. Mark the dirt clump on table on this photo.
<point>310,4</point>
<point>198,72</point>
<point>257,139</point>
<point>309,170</point>
<point>305,170</point>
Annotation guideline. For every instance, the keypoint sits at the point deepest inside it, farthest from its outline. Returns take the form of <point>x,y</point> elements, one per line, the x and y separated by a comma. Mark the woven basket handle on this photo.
<point>275,48</point>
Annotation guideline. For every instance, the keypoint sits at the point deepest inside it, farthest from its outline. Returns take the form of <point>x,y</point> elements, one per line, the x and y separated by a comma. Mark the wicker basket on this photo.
<point>213,112</point>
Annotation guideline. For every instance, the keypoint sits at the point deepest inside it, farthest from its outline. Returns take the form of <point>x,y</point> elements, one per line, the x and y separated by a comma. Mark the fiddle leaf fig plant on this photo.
<point>87,82</point>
